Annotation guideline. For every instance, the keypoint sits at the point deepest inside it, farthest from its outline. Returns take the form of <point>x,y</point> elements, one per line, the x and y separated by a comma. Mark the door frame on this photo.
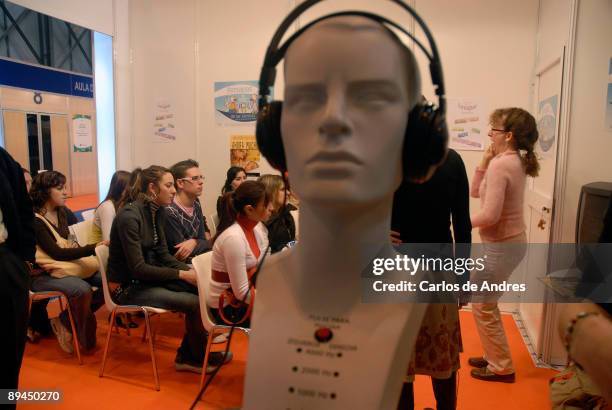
<point>551,310</point>
<point>39,125</point>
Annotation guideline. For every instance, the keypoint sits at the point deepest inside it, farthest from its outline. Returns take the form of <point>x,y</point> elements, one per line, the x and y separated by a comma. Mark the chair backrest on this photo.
<point>213,222</point>
<point>82,231</point>
<point>203,267</point>
<point>88,214</point>
<point>296,218</point>
<point>102,254</point>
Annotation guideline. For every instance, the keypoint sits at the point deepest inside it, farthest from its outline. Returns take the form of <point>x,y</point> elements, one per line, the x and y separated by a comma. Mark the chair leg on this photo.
<point>148,325</point>
<point>75,335</point>
<point>209,340</point>
<point>108,338</point>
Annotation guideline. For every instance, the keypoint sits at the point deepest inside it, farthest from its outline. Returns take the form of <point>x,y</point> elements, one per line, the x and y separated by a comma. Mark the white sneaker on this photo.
<point>64,336</point>
<point>222,338</point>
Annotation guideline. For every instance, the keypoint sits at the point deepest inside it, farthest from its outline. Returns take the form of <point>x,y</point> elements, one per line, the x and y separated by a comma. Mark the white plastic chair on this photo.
<point>82,231</point>
<point>213,222</point>
<point>102,254</point>
<point>296,218</point>
<point>57,294</point>
<point>203,269</point>
<point>88,215</point>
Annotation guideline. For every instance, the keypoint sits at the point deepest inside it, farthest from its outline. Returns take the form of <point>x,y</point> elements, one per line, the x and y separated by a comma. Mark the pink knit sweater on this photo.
<point>501,189</point>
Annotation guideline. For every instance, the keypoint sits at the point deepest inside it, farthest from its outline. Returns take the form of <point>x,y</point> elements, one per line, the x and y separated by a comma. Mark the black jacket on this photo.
<point>17,214</point>
<point>133,253</point>
<point>281,228</point>
<point>422,212</point>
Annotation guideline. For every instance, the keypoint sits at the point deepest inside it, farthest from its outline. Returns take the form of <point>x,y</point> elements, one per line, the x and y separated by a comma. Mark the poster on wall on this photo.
<point>467,124</point>
<point>244,153</point>
<point>547,124</point>
<point>164,122</point>
<point>82,137</point>
<point>236,102</point>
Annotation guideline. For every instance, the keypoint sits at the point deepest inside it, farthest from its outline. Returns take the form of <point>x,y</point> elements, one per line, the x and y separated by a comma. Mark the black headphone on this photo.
<point>426,135</point>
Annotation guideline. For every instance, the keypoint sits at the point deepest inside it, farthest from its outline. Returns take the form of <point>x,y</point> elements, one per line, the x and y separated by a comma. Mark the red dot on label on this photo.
<point>323,335</point>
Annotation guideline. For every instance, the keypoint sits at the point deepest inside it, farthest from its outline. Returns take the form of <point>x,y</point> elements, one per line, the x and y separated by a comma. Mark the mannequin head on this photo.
<point>349,86</point>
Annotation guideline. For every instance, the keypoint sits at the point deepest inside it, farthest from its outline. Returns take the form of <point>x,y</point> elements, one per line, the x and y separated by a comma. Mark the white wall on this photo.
<point>589,143</point>
<point>96,15</point>
<point>487,49</point>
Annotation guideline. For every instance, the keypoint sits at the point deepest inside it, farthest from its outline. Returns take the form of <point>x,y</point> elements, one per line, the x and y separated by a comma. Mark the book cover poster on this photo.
<point>244,153</point>
<point>467,124</point>
<point>236,102</point>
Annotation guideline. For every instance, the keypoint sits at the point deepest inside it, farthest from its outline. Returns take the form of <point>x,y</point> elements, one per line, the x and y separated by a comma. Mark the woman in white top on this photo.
<point>237,249</point>
<point>105,212</point>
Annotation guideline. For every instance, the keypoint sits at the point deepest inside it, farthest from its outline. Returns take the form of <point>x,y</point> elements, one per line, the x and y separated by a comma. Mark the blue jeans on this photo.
<point>83,302</point>
<point>183,298</point>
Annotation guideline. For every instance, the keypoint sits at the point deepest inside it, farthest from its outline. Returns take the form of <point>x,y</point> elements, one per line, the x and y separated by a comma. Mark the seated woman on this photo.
<point>148,275</point>
<point>48,194</point>
<point>281,225</point>
<point>235,176</point>
<point>237,249</point>
<point>104,216</point>
<point>106,211</point>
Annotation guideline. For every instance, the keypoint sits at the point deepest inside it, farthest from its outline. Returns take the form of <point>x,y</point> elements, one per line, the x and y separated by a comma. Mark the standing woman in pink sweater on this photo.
<point>499,182</point>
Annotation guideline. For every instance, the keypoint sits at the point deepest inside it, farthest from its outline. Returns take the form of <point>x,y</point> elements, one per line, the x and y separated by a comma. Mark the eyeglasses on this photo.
<point>498,130</point>
<point>194,178</point>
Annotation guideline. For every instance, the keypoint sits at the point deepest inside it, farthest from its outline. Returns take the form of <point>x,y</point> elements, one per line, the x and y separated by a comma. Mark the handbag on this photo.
<point>572,389</point>
<point>83,267</point>
<point>241,310</point>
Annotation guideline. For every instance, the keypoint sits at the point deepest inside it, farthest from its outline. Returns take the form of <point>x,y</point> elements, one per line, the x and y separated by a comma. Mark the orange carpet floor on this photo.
<point>128,381</point>
<point>79,203</point>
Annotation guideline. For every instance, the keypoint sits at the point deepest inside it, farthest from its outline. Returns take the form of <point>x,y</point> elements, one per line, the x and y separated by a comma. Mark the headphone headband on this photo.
<point>274,54</point>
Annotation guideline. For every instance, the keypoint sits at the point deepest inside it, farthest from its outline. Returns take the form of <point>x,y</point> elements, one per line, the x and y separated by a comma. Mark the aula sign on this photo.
<point>45,79</point>
<point>83,87</point>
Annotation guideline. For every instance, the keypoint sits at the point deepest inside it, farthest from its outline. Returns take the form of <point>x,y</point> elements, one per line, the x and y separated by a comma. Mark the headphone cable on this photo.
<point>252,280</point>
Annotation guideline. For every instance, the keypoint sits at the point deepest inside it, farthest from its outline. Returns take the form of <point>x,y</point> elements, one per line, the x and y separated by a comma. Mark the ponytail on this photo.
<point>139,184</point>
<point>525,132</point>
<point>531,164</point>
<point>233,203</point>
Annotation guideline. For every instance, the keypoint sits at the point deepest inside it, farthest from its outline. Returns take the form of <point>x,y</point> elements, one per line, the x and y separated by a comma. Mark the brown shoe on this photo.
<point>478,362</point>
<point>487,375</point>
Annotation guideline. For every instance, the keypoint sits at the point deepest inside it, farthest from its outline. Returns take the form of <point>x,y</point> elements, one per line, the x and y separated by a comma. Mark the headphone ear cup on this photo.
<point>268,134</point>
<point>425,142</point>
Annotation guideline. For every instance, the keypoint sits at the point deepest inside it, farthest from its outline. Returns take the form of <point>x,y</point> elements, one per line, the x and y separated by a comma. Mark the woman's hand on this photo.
<point>395,238</point>
<point>107,242</point>
<point>188,276</point>
<point>487,156</point>
<point>184,249</point>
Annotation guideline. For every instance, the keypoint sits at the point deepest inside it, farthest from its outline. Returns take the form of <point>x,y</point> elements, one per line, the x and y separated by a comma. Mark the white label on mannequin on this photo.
<point>362,366</point>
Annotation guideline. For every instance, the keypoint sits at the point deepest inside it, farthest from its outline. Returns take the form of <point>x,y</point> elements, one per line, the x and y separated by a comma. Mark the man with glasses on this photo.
<point>187,233</point>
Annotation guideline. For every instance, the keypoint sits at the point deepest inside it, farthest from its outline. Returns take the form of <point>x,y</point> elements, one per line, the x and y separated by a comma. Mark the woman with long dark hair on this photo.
<point>107,209</point>
<point>499,182</point>
<point>281,225</point>
<point>147,273</point>
<point>48,194</point>
<point>234,177</point>
<point>238,247</point>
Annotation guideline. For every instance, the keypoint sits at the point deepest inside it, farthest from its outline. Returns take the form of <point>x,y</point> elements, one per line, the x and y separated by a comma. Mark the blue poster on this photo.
<point>547,122</point>
<point>236,102</point>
